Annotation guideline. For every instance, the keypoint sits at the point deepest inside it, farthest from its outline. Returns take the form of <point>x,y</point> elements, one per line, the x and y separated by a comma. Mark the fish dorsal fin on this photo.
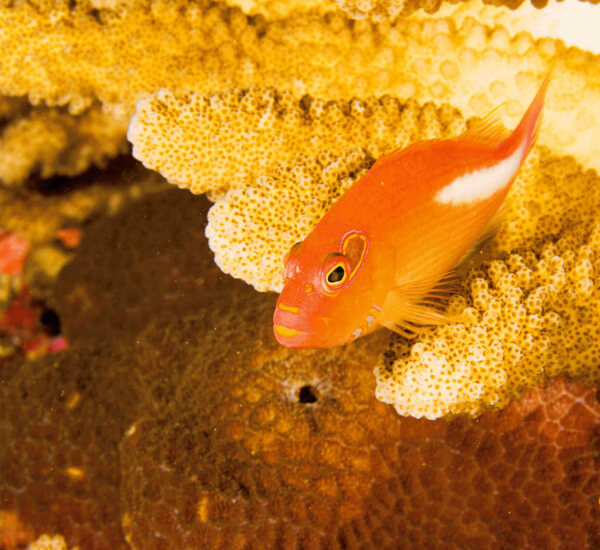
<point>410,308</point>
<point>488,130</point>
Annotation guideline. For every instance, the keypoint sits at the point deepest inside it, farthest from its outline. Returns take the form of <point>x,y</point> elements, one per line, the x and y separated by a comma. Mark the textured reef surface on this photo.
<point>144,402</point>
<point>194,429</point>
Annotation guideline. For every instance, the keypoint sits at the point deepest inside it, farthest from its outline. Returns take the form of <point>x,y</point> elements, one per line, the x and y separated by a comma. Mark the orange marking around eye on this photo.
<point>348,238</point>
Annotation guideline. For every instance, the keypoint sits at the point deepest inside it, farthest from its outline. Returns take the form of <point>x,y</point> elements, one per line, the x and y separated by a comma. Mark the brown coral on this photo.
<point>150,267</point>
<point>272,448</point>
<point>59,466</point>
<point>225,437</point>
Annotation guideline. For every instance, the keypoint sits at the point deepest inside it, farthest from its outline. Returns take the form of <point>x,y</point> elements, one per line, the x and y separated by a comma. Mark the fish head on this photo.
<point>321,303</point>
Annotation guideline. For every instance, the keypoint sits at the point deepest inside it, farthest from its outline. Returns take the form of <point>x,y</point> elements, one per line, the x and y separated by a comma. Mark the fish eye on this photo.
<point>336,275</point>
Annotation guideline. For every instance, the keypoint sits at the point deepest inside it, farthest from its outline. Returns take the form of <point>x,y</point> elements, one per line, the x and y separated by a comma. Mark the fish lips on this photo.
<point>294,330</point>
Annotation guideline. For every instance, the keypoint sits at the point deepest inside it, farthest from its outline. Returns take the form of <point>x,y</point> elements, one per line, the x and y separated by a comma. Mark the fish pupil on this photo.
<point>336,275</point>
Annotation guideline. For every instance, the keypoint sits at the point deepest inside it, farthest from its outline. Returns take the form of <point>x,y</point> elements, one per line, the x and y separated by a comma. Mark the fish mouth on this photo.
<point>292,338</point>
<point>285,332</point>
<point>293,330</point>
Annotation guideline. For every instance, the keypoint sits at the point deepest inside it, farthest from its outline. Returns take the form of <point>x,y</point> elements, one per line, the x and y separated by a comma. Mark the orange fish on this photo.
<point>384,251</point>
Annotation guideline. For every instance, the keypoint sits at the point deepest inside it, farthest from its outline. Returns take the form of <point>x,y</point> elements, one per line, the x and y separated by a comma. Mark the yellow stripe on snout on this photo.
<point>291,309</point>
<point>285,332</point>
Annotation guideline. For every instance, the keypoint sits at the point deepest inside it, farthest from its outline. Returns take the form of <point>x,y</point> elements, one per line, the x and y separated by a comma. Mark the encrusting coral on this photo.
<point>268,447</point>
<point>63,416</point>
<point>144,264</point>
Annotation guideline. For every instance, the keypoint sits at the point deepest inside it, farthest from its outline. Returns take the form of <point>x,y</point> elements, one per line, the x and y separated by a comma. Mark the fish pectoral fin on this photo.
<point>411,308</point>
<point>480,250</point>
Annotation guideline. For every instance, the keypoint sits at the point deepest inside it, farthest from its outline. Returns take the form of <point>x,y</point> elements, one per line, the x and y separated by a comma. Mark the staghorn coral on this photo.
<point>530,313</point>
<point>52,142</point>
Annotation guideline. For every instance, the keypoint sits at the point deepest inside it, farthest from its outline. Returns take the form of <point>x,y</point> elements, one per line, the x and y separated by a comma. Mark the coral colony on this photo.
<point>144,402</point>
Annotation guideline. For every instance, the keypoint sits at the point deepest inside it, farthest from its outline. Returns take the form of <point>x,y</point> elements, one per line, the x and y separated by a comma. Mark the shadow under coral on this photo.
<point>176,421</point>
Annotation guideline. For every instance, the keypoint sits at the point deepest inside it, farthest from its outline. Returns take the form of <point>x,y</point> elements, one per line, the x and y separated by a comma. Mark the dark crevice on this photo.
<point>307,394</point>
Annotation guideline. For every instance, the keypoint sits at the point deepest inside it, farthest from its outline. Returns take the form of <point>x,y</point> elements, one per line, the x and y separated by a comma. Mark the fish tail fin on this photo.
<point>527,130</point>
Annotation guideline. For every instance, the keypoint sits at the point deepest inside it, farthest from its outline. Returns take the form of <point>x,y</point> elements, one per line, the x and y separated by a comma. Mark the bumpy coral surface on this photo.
<point>60,470</point>
<point>142,265</point>
<point>51,142</point>
<point>252,229</point>
<point>88,55</point>
<point>530,313</point>
<point>271,448</point>
<point>211,435</point>
<point>249,141</point>
<point>222,141</point>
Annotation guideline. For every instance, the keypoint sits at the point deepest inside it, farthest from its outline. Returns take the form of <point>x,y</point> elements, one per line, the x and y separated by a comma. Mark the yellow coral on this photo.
<point>530,314</point>
<point>47,542</point>
<point>281,8</point>
<point>380,10</point>
<point>53,142</point>
<point>250,229</point>
<point>79,54</point>
<point>219,141</point>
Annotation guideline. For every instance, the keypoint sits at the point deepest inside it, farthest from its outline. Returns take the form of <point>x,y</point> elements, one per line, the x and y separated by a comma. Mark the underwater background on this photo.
<point>157,161</point>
